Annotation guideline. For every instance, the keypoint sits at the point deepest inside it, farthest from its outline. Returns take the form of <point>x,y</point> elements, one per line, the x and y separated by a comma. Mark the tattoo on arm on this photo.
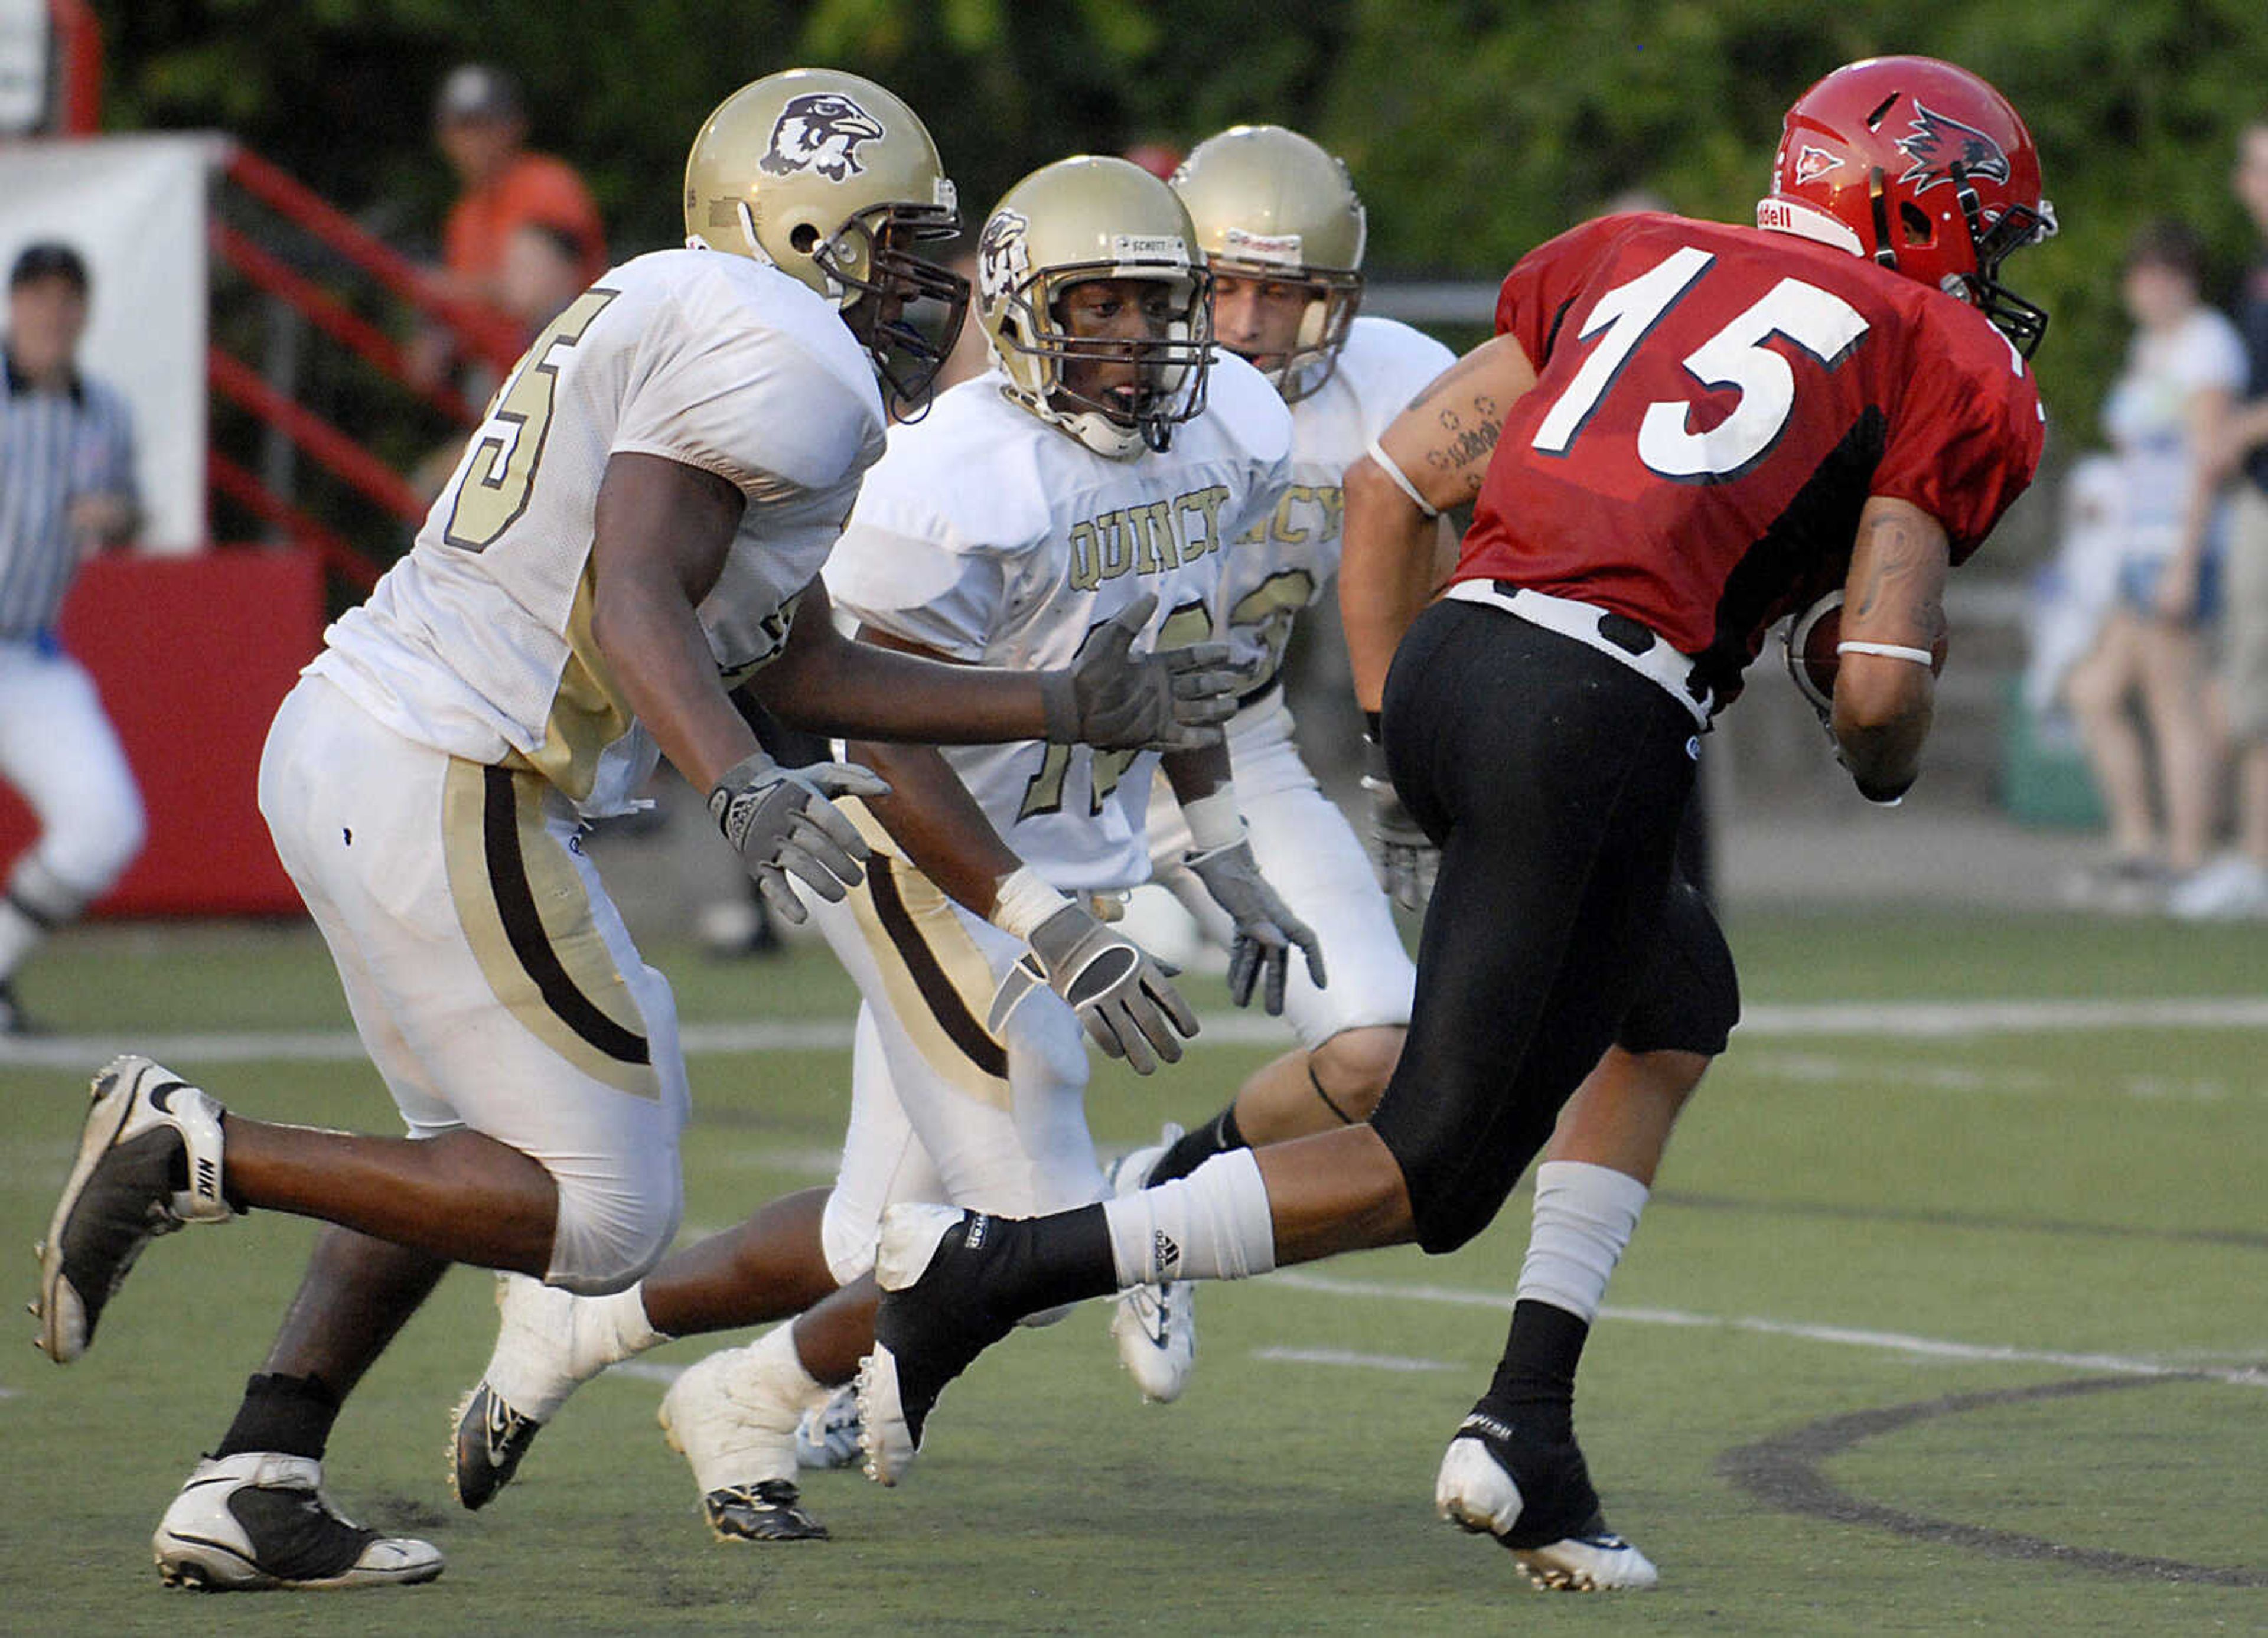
<point>1467,438</point>
<point>1900,577</point>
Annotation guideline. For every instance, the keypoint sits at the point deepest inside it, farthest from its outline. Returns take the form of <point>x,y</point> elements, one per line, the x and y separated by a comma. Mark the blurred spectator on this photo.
<point>2073,596</point>
<point>2164,415</point>
<point>542,272</point>
<point>2238,884</point>
<point>480,126</point>
<point>1159,159</point>
<point>67,489</point>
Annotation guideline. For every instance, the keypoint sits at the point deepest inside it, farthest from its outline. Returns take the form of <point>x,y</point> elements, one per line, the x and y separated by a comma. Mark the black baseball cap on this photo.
<point>49,259</point>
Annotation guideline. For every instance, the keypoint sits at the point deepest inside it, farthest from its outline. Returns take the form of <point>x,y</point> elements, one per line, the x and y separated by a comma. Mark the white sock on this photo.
<point>619,1320</point>
<point>774,1355</point>
<point>1212,1224</point>
<point>1585,1215</point>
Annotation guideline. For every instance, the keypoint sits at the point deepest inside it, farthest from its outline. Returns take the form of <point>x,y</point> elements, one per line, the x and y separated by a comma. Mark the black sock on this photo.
<point>291,1415</point>
<point>1063,1258</point>
<point>1535,1381</point>
<point>1192,1150</point>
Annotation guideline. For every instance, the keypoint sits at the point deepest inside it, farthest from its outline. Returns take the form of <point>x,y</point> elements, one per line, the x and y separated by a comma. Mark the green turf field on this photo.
<point>1941,1321</point>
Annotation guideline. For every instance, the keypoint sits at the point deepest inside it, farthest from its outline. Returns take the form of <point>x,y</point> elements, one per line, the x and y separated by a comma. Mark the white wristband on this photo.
<point>1888,651</point>
<point>1392,469</point>
<point>1023,901</point>
<point>1214,820</point>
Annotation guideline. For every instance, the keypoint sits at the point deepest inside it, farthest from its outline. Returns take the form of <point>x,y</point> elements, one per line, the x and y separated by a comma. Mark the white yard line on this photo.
<point>2251,1375</point>
<point>1847,1336</point>
<point>1935,1019</point>
<point>1359,1362</point>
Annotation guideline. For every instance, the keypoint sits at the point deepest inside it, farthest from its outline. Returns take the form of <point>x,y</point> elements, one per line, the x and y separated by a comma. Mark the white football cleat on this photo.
<point>1603,1563</point>
<point>828,1436</point>
<point>1154,1325</point>
<point>145,1125</point>
<point>1475,1491</point>
<point>733,1416</point>
<point>261,1520</point>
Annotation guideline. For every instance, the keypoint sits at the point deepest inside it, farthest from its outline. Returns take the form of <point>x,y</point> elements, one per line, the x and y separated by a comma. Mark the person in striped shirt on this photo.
<point>67,488</point>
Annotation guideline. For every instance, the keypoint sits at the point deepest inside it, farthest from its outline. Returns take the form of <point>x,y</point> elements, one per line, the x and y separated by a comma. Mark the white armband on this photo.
<point>1888,651</point>
<point>1023,901</point>
<point>1392,469</point>
<point>1214,820</point>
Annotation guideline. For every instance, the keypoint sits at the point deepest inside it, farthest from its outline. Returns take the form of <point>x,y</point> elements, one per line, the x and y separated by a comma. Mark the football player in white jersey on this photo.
<point>633,531</point>
<point>1283,233</point>
<point>1100,467</point>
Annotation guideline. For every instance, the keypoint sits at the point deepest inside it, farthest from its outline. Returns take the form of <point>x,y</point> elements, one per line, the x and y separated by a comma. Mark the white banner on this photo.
<point>26,35</point>
<point>134,206</point>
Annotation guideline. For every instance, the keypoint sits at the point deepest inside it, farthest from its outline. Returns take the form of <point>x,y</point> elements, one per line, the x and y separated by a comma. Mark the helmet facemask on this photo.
<point>1990,244</point>
<point>1171,369</point>
<point>1334,297</point>
<point>905,309</point>
<point>2024,323</point>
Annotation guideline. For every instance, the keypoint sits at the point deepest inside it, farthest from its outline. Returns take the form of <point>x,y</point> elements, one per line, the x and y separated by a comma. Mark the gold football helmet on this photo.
<point>1074,222</point>
<point>833,181</point>
<point>1269,205</point>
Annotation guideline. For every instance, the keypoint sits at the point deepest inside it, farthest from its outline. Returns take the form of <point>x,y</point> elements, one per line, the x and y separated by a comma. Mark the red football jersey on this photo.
<point>1713,406</point>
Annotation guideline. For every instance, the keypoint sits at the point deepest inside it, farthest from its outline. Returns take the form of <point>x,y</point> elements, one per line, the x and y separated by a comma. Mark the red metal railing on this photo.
<point>78,54</point>
<point>330,315</point>
<point>486,334</point>
<point>228,479</point>
<point>241,385</point>
<point>481,333</point>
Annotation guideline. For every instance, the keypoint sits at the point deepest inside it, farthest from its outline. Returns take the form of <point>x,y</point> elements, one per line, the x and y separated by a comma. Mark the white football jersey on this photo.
<point>1288,557</point>
<point>479,642</point>
<point>991,537</point>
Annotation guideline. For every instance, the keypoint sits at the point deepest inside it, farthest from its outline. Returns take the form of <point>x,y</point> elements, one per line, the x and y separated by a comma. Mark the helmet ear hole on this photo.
<point>1915,220</point>
<point>803,237</point>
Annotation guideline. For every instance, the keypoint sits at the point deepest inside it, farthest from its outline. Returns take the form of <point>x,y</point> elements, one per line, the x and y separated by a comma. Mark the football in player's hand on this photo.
<point>1812,639</point>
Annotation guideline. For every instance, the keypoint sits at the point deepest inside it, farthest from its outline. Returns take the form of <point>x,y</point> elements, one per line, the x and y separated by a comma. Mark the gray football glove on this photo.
<point>1112,698</point>
<point>1119,992</point>
<point>781,821</point>
<point>1266,930</point>
<point>1407,858</point>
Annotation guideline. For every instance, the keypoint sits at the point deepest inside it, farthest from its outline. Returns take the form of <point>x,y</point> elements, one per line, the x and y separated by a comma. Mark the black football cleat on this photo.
<point>771,1511</point>
<point>934,1321</point>
<point>486,1442</point>
<point>1535,1496</point>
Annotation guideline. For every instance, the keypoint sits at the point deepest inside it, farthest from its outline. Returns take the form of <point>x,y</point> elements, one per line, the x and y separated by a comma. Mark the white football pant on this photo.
<point>941,1109</point>
<point>489,976</point>
<point>1311,856</point>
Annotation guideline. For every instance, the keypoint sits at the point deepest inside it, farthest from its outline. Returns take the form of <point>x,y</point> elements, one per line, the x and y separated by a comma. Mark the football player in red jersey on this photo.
<point>1681,431</point>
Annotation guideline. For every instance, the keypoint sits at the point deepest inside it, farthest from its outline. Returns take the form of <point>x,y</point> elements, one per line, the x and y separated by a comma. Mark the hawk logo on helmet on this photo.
<point>1938,144</point>
<point>1813,163</point>
<point>1002,257</point>
<point>820,131</point>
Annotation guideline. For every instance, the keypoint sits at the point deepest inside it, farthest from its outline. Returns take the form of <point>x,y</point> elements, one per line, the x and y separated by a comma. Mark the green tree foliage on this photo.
<point>1476,129</point>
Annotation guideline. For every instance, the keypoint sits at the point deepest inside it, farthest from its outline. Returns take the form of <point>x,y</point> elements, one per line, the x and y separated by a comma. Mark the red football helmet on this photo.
<point>1924,167</point>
